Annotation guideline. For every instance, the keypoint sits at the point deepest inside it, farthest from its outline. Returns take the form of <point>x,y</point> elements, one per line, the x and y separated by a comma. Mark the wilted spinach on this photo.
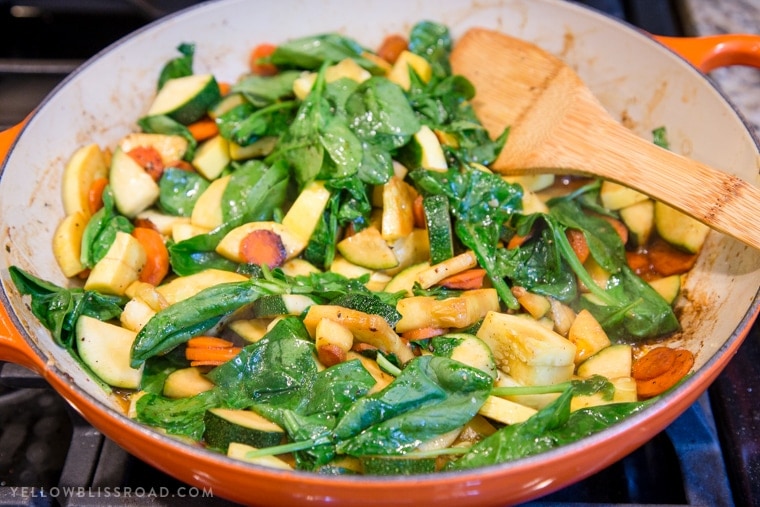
<point>179,190</point>
<point>101,230</point>
<point>180,66</point>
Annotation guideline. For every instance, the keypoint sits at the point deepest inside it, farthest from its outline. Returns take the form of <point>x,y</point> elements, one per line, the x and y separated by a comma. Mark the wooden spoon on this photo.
<point>557,125</point>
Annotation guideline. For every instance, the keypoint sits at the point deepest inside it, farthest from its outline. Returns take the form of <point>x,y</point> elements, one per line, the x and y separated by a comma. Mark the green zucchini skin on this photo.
<point>440,233</point>
<point>221,431</point>
<point>398,465</point>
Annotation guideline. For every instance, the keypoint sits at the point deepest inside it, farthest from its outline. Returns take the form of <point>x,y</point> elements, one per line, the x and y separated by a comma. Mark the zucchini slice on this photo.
<point>407,464</point>
<point>424,150</point>
<point>186,99</point>
<point>368,249</point>
<point>467,349</point>
<point>105,349</point>
<point>405,279</point>
<point>133,188</point>
<point>224,426</point>
<point>440,234</point>
<point>679,229</point>
<point>529,352</point>
<point>611,362</point>
<point>186,383</point>
<point>639,218</point>
<point>240,451</point>
<point>277,305</point>
<point>668,287</point>
<point>369,304</point>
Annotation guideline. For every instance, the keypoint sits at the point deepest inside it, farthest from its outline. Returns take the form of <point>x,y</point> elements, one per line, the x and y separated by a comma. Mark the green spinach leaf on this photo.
<point>101,230</point>
<point>59,308</point>
<point>313,51</point>
<point>179,191</point>
<point>180,66</point>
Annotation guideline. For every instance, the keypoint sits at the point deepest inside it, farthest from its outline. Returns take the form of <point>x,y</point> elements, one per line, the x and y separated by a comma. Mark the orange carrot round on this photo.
<point>259,60</point>
<point>157,256</point>
<point>640,264</point>
<point>263,247</point>
<point>391,48</point>
<point>209,342</point>
<point>516,241</point>
<point>181,164</point>
<point>654,363</point>
<point>668,260</point>
<point>578,243</point>
<point>224,88</point>
<point>423,333</point>
<point>218,355</point>
<point>466,280</point>
<point>203,129</point>
<point>683,362</point>
<point>95,194</point>
<point>149,159</point>
<point>619,227</point>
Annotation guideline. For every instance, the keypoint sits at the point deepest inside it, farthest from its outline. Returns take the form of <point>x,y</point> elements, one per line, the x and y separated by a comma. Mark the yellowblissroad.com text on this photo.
<point>110,492</point>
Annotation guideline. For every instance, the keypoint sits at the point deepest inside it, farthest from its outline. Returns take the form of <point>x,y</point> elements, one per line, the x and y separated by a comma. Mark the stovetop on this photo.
<point>50,456</point>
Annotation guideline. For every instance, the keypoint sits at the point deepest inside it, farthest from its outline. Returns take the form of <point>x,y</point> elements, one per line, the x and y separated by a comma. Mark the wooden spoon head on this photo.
<point>521,86</point>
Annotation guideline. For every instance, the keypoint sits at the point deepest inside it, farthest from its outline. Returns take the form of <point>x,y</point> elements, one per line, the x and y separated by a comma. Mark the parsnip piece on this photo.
<point>367,328</point>
<point>452,266</point>
<point>457,312</point>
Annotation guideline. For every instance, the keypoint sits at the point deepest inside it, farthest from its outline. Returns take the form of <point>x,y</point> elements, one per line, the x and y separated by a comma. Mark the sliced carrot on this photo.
<point>683,362</point>
<point>224,88</point>
<point>654,363</point>
<point>145,223</point>
<point>181,164</point>
<point>391,48</point>
<point>423,333</point>
<point>95,195</point>
<point>149,159</point>
<point>209,342</point>
<point>263,247</point>
<point>578,243</point>
<point>362,347</point>
<point>259,60</point>
<point>330,354</point>
<point>668,260</point>
<point>516,241</point>
<point>418,212</point>
<point>203,129</point>
<point>619,227</point>
<point>157,256</point>
<point>640,264</point>
<point>466,280</point>
<point>202,354</point>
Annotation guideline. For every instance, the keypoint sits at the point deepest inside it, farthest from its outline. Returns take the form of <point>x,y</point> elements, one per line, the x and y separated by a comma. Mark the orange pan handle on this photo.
<point>7,138</point>
<point>712,51</point>
<point>13,346</point>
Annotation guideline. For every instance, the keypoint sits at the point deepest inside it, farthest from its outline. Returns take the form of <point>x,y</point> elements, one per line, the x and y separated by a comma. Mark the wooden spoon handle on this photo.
<point>720,200</point>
